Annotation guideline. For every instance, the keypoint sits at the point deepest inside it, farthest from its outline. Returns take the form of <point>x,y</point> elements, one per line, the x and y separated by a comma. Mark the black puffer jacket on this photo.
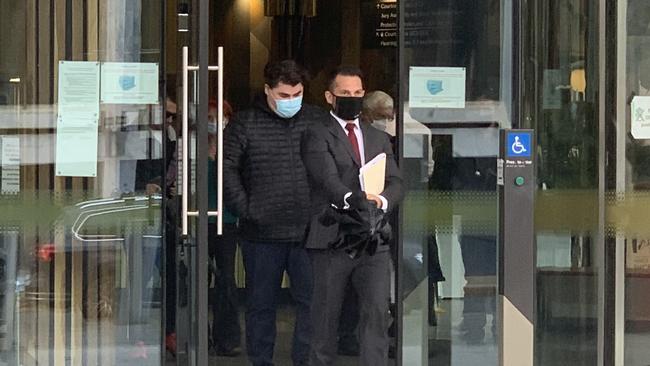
<point>265,181</point>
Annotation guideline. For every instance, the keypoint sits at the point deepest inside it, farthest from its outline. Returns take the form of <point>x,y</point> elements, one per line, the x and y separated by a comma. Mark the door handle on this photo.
<point>185,214</point>
<point>220,141</point>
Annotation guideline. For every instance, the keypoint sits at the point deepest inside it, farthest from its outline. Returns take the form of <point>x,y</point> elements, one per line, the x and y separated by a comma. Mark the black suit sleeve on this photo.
<point>393,186</point>
<point>321,166</point>
<point>234,147</point>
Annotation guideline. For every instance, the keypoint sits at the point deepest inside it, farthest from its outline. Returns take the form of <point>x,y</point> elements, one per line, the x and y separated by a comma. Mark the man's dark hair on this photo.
<point>343,71</point>
<point>286,72</point>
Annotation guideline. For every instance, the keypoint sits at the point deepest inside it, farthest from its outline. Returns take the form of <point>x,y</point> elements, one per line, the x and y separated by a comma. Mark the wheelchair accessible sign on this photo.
<point>518,145</point>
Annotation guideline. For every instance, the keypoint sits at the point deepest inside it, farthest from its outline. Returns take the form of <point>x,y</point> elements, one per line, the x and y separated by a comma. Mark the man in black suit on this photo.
<point>333,152</point>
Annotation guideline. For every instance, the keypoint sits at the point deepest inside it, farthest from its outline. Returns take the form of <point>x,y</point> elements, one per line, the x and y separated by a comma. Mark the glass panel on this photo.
<point>320,35</point>
<point>627,186</point>
<point>456,76</point>
<point>80,181</point>
<point>561,104</point>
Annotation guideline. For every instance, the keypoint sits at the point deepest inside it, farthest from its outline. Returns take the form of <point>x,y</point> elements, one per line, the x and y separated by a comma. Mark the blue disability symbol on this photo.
<point>517,147</point>
<point>519,144</point>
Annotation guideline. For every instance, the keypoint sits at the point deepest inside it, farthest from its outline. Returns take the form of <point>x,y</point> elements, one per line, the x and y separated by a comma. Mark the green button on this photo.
<point>519,181</point>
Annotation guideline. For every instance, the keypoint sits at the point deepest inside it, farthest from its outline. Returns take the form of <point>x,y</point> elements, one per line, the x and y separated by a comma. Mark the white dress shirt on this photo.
<point>359,134</point>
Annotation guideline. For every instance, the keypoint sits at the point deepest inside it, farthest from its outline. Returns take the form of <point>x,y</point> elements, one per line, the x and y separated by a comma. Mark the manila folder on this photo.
<point>373,174</point>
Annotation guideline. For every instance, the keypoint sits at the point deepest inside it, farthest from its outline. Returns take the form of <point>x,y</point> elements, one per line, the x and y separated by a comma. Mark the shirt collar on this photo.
<point>171,133</point>
<point>343,123</point>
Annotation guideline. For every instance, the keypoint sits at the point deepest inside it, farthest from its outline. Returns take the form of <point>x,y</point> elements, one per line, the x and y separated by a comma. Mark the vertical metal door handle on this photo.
<point>185,143</point>
<point>185,139</point>
<point>220,142</point>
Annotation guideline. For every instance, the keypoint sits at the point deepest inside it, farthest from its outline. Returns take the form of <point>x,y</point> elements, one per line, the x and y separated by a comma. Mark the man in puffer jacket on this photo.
<point>265,185</point>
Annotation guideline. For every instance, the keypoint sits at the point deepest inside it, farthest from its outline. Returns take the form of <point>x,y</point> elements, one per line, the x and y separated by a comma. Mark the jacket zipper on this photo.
<point>292,158</point>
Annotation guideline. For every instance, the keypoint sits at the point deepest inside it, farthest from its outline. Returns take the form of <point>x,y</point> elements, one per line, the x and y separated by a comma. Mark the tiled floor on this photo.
<point>447,345</point>
<point>282,355</point>
<point>562,345</point>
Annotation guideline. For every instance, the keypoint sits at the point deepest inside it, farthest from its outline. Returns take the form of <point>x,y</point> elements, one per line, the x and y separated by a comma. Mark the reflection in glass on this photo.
<point>80,257</point>
<point>562,108</point>
<point>449,162</point>
<point>627,178</point>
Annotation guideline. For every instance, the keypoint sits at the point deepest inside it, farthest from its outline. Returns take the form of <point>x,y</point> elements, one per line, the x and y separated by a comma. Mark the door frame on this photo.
<point>201,249</point>
<point>192,334</point>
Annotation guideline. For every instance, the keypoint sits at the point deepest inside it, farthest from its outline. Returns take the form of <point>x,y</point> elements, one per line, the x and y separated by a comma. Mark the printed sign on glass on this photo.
<point>640,115</point>
<point>518,145</point>
<point>129,83</point>
<point>437,87</point>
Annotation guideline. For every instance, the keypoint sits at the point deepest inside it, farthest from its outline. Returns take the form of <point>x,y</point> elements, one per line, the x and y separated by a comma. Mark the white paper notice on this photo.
<point>129,83</point>
<point>437,87</point>
<point>77,120</point>
<point>640,112</point>
<point>10,183</point>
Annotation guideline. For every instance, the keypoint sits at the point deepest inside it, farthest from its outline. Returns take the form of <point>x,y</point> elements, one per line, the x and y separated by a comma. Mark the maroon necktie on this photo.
<point>353,140</point>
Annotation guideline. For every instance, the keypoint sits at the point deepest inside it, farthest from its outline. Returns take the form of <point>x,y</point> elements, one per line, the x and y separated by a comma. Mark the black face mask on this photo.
<point>348,108</point>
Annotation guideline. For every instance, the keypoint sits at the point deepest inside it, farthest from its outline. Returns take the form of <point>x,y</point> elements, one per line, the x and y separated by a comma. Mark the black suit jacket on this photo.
<point>334,171</point>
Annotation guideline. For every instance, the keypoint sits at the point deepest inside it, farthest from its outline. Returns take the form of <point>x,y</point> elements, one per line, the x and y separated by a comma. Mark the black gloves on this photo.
<point>358,200</point>
<point>362,228</point>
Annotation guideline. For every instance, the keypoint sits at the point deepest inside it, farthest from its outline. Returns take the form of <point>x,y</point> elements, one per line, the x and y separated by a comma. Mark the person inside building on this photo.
<point>378,110</point>
<point>379,113</point>
<point>333,152</point>
<point>225,330</point>
<point>171,222</point>
<point>265,185</point>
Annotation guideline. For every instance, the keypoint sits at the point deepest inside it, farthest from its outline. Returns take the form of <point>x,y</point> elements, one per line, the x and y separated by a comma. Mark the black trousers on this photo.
<point>265,264</point>
<point>226,332</point>
<point>370,276</point>
<point>349,319</point>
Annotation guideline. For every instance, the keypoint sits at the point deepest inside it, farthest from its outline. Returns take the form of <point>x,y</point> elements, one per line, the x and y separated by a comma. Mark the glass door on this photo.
<point>456,70</point>
<point>190,262</point>
<point>561,61</point>
<point>627,183</point>
<point>82,171</point>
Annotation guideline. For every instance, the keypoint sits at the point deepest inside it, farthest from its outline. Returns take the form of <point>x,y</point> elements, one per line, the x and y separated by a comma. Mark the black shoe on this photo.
<point>226,352</point>
<point>348,349</point>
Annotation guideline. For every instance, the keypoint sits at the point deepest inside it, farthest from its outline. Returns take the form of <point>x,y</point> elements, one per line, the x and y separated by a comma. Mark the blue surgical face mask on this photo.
<point>212,126</point>
<point>287,108</point>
